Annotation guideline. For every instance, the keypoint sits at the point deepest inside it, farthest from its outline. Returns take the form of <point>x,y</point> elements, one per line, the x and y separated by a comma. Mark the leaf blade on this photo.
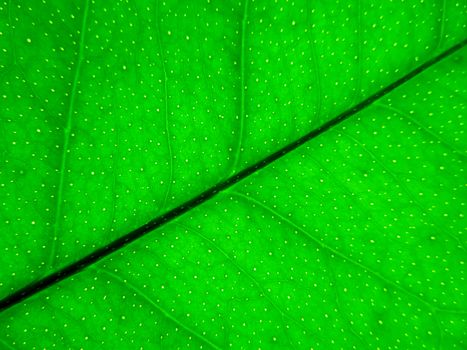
<point>122,170</point>
<point>295,271</point>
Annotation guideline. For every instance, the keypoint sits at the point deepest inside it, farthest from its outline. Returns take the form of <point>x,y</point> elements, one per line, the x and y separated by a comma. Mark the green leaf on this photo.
<point>116,115</point>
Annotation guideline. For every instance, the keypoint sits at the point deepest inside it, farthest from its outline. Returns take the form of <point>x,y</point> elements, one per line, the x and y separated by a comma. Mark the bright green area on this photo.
<point>354,240</point>
<point>111,116</point>
<point>115,113</point>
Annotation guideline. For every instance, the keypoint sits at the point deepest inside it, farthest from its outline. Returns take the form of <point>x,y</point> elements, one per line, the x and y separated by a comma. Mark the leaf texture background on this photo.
<point>114,115</point>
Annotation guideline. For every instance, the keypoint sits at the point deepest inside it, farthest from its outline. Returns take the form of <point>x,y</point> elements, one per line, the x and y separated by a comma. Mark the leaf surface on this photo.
<point>353,240</point>
<point>350,241</point>
<point>115,114</point>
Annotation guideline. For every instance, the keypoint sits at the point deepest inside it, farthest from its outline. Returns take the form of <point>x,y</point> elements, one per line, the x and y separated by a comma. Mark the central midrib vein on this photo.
<point>143,230</point>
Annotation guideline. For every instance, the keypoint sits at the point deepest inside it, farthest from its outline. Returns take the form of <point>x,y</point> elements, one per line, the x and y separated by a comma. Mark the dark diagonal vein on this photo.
<point>143,230</point>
